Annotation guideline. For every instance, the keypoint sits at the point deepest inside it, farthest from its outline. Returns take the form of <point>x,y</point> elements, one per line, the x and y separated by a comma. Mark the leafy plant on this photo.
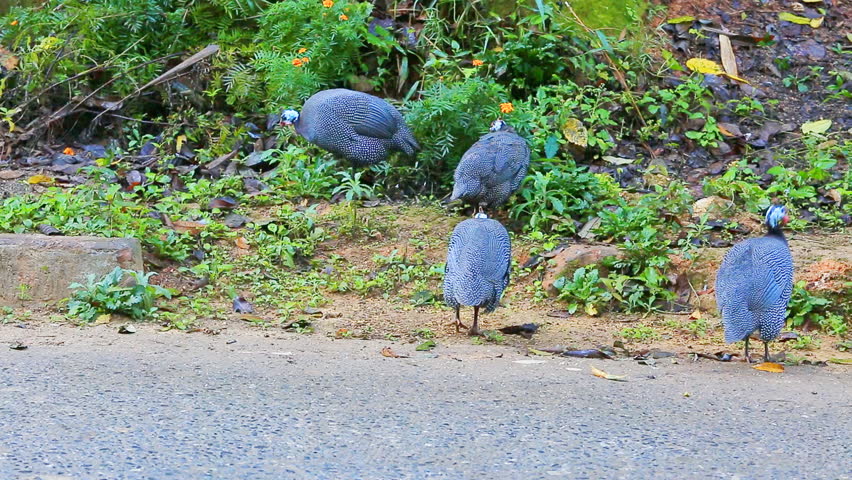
<point>135,298</point>
<point>583,290</point>
<point>554,200</point>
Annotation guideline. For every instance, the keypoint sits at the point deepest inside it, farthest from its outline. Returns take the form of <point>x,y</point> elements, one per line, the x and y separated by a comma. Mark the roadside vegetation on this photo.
<point>156,120</point>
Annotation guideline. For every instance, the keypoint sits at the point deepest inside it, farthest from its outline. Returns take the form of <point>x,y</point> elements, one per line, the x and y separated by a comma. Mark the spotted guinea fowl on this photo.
<point>492,169</point>
<point>754,284</point>
<point>357,126</point>
<point>478,261</point>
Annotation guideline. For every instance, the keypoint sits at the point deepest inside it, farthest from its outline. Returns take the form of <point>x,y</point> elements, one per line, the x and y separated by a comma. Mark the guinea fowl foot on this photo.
<point>459,325</point>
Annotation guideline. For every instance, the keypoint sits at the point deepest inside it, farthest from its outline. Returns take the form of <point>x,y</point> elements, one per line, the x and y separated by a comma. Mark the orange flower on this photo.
<point>343,17</point>
<point>477,63</point>
<point>327,3</point>
<point>302,50</point>
<point>305,59</point>
<point>506,107</point>
<point>68,151</point>
<point>297,62</point>
<point>14,22</point>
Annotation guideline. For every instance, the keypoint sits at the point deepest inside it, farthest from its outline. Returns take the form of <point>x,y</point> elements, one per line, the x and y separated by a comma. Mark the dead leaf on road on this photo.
<point>769,367</point>
<point>540,353</point>
<point>127,329</point>
<point>607,376</point>
<point>387,352</point>
<point>840,361</point>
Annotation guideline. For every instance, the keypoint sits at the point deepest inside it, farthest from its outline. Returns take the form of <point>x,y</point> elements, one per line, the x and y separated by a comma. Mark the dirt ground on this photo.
<point>350,317</point>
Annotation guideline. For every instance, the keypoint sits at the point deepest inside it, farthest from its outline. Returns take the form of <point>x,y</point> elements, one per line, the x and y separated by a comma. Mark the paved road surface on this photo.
<point>176,406</point>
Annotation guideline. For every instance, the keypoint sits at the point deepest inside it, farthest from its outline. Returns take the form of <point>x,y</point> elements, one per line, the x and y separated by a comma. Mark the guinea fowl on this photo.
<point>492,169</point>
<point>754,284</point>
<point>478,262</point>
<point>354,125</point>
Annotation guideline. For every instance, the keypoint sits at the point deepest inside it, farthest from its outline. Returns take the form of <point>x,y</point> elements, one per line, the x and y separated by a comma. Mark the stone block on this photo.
<point>37,269</point>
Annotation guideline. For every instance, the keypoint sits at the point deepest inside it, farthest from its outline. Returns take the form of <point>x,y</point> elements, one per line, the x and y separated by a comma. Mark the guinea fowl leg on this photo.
<point>459,324</point>
<point>474,330</point>
<point>765,351</point>
<point>747,359</point>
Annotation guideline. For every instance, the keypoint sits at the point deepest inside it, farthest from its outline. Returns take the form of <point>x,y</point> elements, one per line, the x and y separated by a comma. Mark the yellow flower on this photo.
<point>477,63</point>
<point>506,107</point>
<point>327,3</point>
<point>302,50</point>
<point>343,17</point>
<point>305,60</point>
<point>14,22</point>
<point>297,62</point>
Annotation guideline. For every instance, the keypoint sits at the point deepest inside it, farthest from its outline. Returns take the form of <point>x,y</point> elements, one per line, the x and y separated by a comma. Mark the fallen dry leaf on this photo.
<point>607,376</point>
<point>816,126</point>
<point>7,60</point>
<point>11,174</point>
<point>769,367</point>
<point>37,179</point>
<point>242,243</point>
<point>68,151</point>
<point>186,226</point>
<point>387,352</point>
<point>789,17</point>
<point>575,132</point>
<point>729,60</point>
<point>702,65</point>
<point>695,315</point>
<point>541,353</point>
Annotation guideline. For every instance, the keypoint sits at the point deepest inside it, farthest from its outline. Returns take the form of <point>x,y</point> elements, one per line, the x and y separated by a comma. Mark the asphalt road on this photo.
<point>177,406</point>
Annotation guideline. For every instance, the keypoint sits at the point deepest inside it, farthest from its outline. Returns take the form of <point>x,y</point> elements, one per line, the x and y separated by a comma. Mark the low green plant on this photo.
<point>135,297</point>
<point>423,333</point>
<point>808,309</point>
<point>584,290</point>
<point>806,342</point>
<point>552,201</point>
<point>639,333</point>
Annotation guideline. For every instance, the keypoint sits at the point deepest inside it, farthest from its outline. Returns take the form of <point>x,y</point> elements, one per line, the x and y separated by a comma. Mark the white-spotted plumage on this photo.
<point>479,259</point>
<point>755,282</point>
<point>492,169</point>
<point>357,126</point>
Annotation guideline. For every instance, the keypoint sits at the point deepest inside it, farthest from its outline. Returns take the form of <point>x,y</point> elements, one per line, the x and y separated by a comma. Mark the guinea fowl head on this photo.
<point>499,125</point>
<point>776,217</point>
<point>289,117</point>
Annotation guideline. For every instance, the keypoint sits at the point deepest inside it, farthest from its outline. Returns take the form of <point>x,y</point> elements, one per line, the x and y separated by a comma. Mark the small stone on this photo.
<point>714,207</point>
<point>573,257</point>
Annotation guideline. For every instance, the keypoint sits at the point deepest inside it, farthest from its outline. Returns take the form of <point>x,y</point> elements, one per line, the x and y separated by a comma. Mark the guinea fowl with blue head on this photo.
<point>492,169</point>
<point>754,284</point>
<point>479,259</point>
<point>359,127</point>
